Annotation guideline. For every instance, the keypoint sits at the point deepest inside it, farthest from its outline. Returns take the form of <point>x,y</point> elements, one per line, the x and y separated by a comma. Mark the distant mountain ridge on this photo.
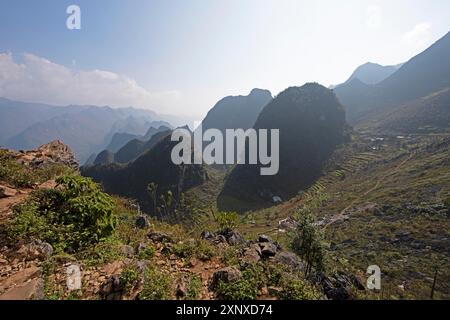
<point>86,129</point>
<point>133,147</point>
<point>373,73</point>
<point>424,74</point>
<point>153,166</point>
<point>237,111</point>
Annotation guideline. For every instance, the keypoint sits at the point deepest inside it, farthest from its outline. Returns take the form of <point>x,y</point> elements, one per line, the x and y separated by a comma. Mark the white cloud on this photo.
<point>374,17</point>
<point>419,38</point>
<point>39,80</point>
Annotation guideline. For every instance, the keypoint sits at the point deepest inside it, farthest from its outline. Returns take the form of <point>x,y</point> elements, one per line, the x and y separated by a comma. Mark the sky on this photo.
<point>182,56</point>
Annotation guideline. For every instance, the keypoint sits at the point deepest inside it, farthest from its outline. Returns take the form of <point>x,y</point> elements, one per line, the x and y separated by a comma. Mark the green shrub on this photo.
<point>157,285</point>
<point>205,251</point>
<point>195,286</point>
<point>246,288</point>
<point>184,249</point>
<point>72,216</point>
<point>147,253</point>
<point>129,278</point>
<point>296,289</point>
<point>227,220</point>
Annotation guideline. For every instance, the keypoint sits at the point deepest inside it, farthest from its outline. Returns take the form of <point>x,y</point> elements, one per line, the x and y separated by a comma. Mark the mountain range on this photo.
<point>424,74</point>
<point>86,129</point>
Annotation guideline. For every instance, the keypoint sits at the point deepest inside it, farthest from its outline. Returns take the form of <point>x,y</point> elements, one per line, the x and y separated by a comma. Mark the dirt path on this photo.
<point>343,213</point>
<point>7,203</point>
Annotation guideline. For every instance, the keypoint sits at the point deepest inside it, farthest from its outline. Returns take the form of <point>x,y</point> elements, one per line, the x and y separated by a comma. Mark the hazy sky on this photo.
<point>182,56</point>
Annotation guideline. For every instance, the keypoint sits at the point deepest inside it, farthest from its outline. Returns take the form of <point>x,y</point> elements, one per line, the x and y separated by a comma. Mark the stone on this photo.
<point>290,260</point>
<point>6,192</point>
<point>30,290</point>
<point>127,251</point>
<point>268,249</point>
<point>141,222</point>
<point>36,249</point>
<point>142,266</point>
<point>263,238</point>
<point>181,291</point>
<point>114,268</point>
<point>227,275</point>
<point>111,289</point>
<point>340,293</point>
<point>287,224</point>
<point>20,277</point>
<point>252,254</point>
<point>235,238</point>
<point>157,236</point>
<point>206,235</point>
<point>274,291</point>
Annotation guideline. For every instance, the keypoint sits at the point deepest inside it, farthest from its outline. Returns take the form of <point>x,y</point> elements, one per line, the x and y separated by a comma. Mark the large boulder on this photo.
<point>6,192</point>
<point>227,275</point>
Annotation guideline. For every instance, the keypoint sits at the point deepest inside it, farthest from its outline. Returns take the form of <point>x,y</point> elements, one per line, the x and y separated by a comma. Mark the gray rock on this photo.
<point>235,238</point>
<point>252,254</point>
<point>7,192</point>
<point>274,291</point>
<point>142,222</point>
<point>111,289</point>
<point>290,260</point>
<point>157,236</point>
<point>127,251</point>
<point>264,238</point>
<point>227,275</point>
<point>268,249</point>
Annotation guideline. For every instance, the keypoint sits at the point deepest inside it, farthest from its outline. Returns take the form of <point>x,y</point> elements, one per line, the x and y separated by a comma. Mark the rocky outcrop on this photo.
<point>55,152</point>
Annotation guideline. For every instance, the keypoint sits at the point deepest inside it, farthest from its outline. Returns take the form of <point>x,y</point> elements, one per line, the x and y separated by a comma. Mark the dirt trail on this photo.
<point>6,204</point>
<point>343,213</point>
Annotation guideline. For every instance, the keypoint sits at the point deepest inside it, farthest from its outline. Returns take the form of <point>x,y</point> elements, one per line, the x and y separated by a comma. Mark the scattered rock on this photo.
<point>127,251</point>
<point>111,289</point>
<point>157,236</point>
<point>341,293</point>
<point>268,249</point>
<point>142,222</point>
<point>181,291</point>
<point>263,238</point>
<point>290,260</point>
<point>252,254</point>
<point>274,291</point>
<point>142,266</point>
<point>6,192</point>
<point>21,277</point>
<point>287,224</point>
<point>30,290</point>
<point>227,275</point>
<point>36,249</point>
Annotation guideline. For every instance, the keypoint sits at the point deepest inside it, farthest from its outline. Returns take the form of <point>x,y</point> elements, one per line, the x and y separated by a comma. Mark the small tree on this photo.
<point>152,189</point>
<point>227,220</point>
<point>307,242</point>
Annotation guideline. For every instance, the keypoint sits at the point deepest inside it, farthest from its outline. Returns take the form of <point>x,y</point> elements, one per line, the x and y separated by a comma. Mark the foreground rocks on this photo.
<point>55,152</point>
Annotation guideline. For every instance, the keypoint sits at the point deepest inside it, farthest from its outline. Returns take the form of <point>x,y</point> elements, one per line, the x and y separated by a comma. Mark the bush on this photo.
<point>245,288</point>
<point>147,253</point>
<point>227,220</point>
<point>157,285</point>
<point>70,217</point>
<point>129,278</point>
<point>195,286</point>
<point>296,289</point>
<point>184,249</point>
